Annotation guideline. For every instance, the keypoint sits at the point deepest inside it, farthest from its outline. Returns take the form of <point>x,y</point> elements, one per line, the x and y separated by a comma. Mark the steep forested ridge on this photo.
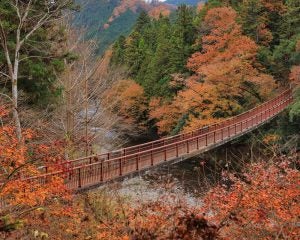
<point>97,17</point>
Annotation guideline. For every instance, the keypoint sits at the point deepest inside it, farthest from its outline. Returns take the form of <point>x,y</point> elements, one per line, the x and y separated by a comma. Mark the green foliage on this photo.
<point>42,56</point>
<point>291,20</point>
<point>294,112</point>
<point>95,13</point>
<point>276,31</point>
<point>8,225</point>
<point>156,49</point>
<point>284,57</point>
<point>252,16</point>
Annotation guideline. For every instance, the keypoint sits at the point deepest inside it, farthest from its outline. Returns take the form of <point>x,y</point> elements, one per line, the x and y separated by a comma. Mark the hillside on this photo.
<point>106,20</point>
<point>187,128</point>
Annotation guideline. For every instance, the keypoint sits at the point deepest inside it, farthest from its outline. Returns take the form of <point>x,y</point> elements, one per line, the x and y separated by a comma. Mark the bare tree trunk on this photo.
<point>15,109</point>
<point>15,89</point>
<point>13,74</point>
<point>50,11</point>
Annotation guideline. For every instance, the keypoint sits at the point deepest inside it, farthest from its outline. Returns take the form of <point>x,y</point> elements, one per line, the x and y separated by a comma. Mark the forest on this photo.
<point>171,73</point>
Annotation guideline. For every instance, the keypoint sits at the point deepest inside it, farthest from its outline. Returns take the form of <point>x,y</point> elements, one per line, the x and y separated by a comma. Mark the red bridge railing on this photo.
<point>96,169</point>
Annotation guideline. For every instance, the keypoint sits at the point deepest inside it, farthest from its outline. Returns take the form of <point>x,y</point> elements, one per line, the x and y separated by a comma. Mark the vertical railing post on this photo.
<point>137,162</point>
<point>215,136</point>
<point>235,128</point>
<point>206,142</point>
<point>152,162</point>
<point>101,171</point>
<point>79,178</point>
<point>229,131</point>
<point>197,143</point>
<point>222,136</point>
<point>165,153</point>
<point>120,166</point>
<point>187,146</point>
<point>177,150</point>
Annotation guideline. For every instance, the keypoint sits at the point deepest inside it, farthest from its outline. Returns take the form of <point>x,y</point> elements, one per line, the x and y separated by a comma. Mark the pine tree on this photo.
<point>142,21</point>
<point>118,56</point>
<point>253,19</point>
<point>291,20</point>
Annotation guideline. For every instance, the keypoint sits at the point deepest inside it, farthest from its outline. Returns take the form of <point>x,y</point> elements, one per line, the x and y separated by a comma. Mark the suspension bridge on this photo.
<point>93,170</point>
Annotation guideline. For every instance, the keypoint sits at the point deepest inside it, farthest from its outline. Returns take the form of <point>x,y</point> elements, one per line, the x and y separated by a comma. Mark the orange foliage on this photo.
<point>165,112</point>
<point>263,202</point>
<point>200,6</point>
<point>154,10</point>
<point>274,5</point>
<point>295,74</point>
<point>18,160</point>
<point>161,219</point>
<point>22,160</point>
<point>125,5</point>
<point>228,57</point>
<point>161,9</point>
<point>225,70</point>
<point>127,99</point>
<point>271,139</point>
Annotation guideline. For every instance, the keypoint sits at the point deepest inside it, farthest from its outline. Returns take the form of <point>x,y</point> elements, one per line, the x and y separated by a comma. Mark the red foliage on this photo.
<point>262,202</point>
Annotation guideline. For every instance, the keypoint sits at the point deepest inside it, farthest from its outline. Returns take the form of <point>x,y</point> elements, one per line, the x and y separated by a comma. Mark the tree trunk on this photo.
<point>15,109</point>
<point>15,87</point>
<point>14,90</point>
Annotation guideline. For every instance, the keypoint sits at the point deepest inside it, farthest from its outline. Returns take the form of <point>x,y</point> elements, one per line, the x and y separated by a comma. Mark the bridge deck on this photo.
<point>96,169</point>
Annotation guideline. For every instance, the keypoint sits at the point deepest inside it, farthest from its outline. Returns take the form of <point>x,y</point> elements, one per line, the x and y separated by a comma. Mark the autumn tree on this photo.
<point>226,79</point>
<point>25,44</point>
<point>129,102</point>
<point>261,202</point>
<point>20,197</point>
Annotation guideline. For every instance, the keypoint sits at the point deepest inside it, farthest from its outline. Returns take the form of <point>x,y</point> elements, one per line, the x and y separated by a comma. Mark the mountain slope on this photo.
<point>106,20</point>
<point>187,2</point>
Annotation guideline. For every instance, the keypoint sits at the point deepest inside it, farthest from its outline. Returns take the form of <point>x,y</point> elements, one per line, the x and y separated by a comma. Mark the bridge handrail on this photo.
<point>208,129</point>
<point>157,149</point>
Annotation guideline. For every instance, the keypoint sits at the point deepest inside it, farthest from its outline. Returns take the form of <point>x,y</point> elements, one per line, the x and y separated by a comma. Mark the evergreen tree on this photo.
<point>118,56</point>
<point>142,21</point>
<point>133,53</point>
<point>183,38</point>
<point>252,18</point>
<point>41,54</point>
<point>291,20</point>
